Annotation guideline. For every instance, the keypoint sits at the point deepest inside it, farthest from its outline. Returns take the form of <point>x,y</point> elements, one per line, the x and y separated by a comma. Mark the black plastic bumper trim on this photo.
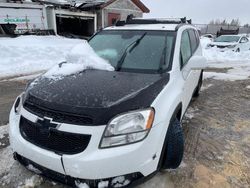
<point>135,178</point>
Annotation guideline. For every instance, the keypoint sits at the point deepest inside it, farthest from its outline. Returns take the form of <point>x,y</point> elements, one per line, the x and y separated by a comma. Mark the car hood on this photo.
<point>223,43</point>
<point>97,94</point>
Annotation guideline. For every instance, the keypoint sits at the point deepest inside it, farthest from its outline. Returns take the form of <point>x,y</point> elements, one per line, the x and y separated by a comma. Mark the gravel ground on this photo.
<point>217,141</point>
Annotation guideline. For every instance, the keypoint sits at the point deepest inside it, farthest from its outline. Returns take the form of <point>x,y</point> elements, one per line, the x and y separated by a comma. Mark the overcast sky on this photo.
<point>201,11</point>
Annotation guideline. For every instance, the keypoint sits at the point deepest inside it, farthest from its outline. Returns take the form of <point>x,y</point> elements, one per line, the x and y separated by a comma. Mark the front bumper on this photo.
<point>93,163</point>
<point>121,181</point>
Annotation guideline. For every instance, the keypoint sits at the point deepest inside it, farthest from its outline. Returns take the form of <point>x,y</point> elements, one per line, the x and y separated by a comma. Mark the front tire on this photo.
<point>174,149</point>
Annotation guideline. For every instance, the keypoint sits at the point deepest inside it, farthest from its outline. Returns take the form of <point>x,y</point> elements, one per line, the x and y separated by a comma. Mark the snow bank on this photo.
<point>238,64</point>
<point>204,42</point>
<point>32,182</point>
<point>80,58</point>
<point>32,54</point>
<point>213,54</point>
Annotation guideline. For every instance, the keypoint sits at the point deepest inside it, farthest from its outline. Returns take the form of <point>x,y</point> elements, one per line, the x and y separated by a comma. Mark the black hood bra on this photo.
<point>96,94</point>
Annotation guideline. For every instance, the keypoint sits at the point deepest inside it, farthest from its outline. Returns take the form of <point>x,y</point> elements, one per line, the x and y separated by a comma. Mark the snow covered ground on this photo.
<point>32,54</point>
<point>236,65</point>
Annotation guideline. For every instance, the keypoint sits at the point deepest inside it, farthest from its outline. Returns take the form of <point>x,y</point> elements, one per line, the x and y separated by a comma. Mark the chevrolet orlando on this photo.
<point>113,128</point>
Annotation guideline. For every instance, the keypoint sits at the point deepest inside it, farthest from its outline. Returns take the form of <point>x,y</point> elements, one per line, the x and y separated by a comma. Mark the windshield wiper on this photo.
<point>129,49</point>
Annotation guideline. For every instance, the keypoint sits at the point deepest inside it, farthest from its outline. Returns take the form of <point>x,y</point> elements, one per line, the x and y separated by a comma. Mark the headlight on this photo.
<point>232,46</point>
<point>17,104</point>
<point>128,128</point>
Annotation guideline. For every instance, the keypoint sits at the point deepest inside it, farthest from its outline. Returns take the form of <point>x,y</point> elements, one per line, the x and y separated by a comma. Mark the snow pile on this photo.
<point>236,65</point>
<point>214,54</point>
<point>32,54</point>
<point>119,181</point>
<point>80,58</point>
<point>81,185</point>
<point>205,41</point>
<point>103,184</point>
<point>32,182</point>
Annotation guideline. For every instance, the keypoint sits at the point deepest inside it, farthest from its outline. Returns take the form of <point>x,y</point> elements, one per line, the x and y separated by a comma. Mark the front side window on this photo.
<point>151,54</point>
<point>185,51</point>
<point>244,40</point>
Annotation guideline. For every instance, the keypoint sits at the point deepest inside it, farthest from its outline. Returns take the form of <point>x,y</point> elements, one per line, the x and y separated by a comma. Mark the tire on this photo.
<point>174,149</point>
<point>198,88</point>
<point>238,50</point>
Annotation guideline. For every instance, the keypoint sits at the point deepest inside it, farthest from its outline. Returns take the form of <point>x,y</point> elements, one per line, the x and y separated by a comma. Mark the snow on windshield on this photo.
<point>80,58</point>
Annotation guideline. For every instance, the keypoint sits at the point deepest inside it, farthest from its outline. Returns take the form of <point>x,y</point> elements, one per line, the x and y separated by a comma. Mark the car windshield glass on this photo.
<point>151,54</point>
<point>227,39</point>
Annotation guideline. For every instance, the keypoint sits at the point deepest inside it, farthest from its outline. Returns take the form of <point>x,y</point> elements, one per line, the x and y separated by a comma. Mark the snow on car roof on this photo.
<point>164,27</point>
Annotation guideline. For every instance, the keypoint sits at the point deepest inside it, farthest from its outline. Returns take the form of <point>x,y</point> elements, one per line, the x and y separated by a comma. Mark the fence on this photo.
<point>212,29</point>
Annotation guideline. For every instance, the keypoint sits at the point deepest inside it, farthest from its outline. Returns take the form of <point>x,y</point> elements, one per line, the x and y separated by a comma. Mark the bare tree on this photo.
<point>235,22</point>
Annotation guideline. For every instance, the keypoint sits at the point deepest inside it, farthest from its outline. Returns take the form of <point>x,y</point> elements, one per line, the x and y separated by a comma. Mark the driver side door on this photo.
<point>190,77</point>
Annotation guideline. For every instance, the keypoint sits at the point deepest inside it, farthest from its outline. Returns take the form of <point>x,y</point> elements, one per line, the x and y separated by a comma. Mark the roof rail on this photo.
<point>131,20</point>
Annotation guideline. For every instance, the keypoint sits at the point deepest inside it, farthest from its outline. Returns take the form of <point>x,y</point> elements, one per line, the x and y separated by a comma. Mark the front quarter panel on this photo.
<point>165,106</point>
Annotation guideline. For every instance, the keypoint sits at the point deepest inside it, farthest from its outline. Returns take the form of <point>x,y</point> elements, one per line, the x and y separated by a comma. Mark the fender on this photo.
<point>177,112</point>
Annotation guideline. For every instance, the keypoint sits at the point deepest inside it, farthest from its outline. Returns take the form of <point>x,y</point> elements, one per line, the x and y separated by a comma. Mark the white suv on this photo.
<point>112,128</point>
<point>235,43</point>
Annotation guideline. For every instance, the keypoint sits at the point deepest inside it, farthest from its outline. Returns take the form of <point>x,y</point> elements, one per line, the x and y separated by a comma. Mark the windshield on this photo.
<point>226,38</point>
<point>151,54</point>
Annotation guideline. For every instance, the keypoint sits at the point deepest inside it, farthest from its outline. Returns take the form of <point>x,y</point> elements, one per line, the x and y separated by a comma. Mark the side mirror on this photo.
<point>198,63</point>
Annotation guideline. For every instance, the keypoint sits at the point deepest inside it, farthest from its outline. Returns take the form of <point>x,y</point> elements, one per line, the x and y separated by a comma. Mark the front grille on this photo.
<point>58,116</point>
<point>46,136</point>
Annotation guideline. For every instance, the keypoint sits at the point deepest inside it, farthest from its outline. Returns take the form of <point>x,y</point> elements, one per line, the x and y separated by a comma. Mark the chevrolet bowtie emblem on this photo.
<point>48,123</point>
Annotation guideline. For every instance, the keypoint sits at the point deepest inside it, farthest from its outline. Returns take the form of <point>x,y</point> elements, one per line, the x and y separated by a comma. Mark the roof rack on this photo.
<point>131,20</point>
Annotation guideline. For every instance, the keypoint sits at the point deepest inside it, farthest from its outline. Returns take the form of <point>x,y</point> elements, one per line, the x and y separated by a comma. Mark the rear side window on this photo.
<point>186,51</point>
<point>194,40</point>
